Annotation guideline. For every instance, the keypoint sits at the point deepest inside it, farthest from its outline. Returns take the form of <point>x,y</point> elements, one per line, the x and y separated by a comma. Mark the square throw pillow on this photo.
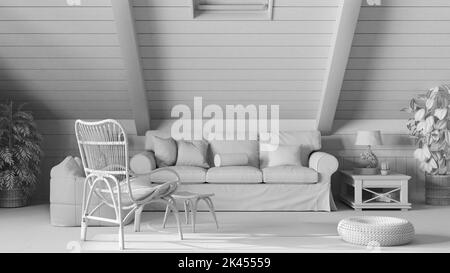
<point>165,151</point>
<point>192,153</point>
<point>285,155</point>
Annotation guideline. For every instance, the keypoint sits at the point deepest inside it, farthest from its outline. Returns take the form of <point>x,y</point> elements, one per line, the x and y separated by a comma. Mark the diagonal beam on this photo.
<point>123,14</point>
<point>342,43</point>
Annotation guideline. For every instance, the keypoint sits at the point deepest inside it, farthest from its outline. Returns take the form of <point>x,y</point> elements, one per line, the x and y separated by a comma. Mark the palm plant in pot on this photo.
<point>20,154</point>
<point>430,128</point>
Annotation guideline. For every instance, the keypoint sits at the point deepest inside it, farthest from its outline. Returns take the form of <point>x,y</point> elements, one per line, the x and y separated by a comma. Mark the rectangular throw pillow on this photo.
<point>222,160</point>
<point>285,155</point>
<point>192,153</point>
<point>248,147</point>
<point>165,151</point>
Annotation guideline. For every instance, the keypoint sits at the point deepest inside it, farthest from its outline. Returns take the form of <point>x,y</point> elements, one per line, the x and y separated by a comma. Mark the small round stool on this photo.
<point>190,201</point>
<point>386,231</point>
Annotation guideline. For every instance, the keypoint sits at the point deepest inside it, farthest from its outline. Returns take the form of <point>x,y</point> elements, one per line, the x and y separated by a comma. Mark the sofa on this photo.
<point>257,186</point>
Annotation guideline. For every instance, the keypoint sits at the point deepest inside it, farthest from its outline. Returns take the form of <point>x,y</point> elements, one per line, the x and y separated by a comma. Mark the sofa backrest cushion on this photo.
<point>308,140</point>
<point>149,145</point>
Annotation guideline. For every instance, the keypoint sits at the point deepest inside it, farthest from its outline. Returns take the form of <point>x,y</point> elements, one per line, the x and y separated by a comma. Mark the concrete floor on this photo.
<point>28,230</point>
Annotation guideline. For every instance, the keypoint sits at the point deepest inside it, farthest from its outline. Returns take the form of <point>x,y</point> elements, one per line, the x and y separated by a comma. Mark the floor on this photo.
<point>28,230</point>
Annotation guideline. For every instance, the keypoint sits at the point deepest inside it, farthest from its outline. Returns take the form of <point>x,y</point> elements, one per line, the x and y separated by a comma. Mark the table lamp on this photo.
<point>369,139</point>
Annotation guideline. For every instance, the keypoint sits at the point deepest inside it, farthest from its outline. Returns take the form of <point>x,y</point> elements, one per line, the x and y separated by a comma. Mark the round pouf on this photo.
<point>383,231</point>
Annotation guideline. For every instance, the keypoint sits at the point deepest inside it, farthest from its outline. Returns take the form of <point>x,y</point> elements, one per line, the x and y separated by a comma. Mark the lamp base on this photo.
<point>366,171</point>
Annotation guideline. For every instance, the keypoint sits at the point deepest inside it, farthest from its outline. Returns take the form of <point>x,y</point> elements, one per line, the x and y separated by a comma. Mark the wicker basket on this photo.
<point>13,198</point>
<point>437,190</point>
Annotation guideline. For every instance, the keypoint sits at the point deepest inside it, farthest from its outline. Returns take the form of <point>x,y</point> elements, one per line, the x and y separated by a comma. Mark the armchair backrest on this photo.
<point>103,148</point>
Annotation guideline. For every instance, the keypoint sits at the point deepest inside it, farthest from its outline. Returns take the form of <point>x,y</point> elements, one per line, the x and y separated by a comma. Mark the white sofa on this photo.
<point>255,187</point>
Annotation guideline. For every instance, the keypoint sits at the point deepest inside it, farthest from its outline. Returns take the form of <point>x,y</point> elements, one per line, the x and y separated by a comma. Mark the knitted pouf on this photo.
<point>384,231</point>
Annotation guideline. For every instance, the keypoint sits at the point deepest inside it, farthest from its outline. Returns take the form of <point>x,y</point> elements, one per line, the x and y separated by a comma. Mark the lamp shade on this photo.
<point>366,138</point>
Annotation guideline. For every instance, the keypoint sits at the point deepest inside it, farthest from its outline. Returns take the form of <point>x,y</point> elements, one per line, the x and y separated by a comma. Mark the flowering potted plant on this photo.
<point>20,154</point>
<point>430,128</point>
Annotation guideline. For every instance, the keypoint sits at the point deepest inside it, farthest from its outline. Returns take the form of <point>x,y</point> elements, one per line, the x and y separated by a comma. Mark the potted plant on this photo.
<point>430,128</point>
<point>20,154</point>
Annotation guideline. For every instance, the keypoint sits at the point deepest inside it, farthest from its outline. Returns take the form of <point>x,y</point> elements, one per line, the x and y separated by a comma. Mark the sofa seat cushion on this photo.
<point>290,174</point>
<point>234,175</point>
<point>188,175</point>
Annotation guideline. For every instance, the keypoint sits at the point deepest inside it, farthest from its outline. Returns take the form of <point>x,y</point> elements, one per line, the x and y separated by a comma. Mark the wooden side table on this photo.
<point>363,191</point>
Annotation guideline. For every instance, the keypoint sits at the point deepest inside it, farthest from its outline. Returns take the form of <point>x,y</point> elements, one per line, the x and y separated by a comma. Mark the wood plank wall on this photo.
<point>64,60</point>
<point>400,49</point>
<point>235,60</point>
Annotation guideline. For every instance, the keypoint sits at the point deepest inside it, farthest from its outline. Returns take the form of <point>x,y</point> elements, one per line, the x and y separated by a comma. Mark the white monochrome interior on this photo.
<point>333,66</point>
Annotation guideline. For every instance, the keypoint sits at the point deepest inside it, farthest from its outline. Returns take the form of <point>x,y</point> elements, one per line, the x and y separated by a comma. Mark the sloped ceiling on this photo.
<point>400,49</point>
<point>66,61</point>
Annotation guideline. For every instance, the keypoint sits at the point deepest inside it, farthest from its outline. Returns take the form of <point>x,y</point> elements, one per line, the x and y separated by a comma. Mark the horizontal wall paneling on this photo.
<point>235,60</point>
<point>401,49</point>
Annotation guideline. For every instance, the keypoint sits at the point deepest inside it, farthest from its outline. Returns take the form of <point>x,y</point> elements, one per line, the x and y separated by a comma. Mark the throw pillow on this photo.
<point>165,151</point>
<point>285,155</point>
<point>222,160</point>
<point>192,153</point>
<point>143,163</point>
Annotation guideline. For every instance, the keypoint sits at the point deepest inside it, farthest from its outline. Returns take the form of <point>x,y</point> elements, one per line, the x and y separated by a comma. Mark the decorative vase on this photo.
<point>437,190</point>
<point>14,198</point>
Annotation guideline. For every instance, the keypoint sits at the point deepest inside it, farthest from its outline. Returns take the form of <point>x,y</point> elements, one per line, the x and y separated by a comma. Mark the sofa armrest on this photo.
<point>323,163</point>
<point>143,163</point>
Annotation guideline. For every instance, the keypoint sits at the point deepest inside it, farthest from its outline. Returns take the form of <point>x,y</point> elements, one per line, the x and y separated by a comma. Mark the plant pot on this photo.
<point>437,190</point>
<point>13,198</point>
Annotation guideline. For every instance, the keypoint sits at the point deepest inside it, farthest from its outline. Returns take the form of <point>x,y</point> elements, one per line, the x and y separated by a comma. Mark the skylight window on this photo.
<point>232,9</point>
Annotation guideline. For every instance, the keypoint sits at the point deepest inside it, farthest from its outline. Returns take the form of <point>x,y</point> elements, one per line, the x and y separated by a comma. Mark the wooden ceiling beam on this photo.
<point>337,63</point>
<point>126,31</point>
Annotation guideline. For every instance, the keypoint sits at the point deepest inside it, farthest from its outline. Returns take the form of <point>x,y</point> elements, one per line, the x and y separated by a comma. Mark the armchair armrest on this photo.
<point>143,163</point>
<point>323,163</point>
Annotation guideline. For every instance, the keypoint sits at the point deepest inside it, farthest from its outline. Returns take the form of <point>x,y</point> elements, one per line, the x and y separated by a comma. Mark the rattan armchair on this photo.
<point>103,148</point>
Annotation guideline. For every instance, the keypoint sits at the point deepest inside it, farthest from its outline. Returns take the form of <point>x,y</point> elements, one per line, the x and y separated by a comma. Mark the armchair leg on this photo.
<point>137,219</point>
<point>121,237</point>
<point>83,229</point>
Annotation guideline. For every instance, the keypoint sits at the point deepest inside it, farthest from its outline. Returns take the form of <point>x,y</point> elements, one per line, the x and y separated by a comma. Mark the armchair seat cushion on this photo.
<point>188,175</point>
<point>234,175</point>
<point>141,188</point>
<point>290,174</point>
